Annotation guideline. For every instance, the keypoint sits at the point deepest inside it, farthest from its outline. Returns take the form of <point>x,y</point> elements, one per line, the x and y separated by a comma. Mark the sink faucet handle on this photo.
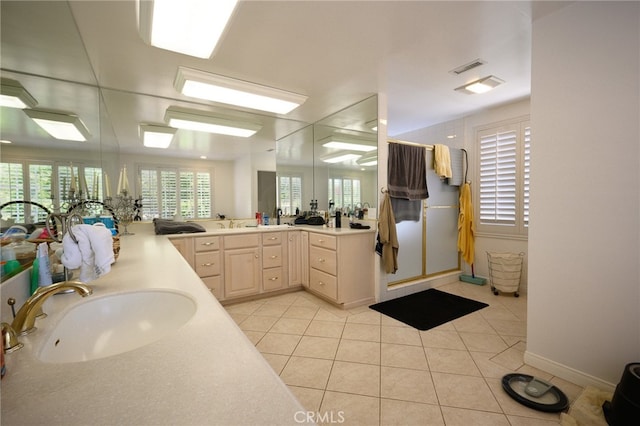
<point>10,341</point>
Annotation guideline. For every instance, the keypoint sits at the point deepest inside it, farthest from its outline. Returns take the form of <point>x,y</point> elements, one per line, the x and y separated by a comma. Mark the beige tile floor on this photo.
<point>358,367</point>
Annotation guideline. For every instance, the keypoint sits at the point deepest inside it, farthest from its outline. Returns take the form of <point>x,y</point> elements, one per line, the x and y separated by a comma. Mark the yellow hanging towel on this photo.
<point>466,225</point>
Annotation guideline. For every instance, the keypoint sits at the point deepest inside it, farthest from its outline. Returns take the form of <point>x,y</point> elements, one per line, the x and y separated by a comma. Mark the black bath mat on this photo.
<point>428,309</point>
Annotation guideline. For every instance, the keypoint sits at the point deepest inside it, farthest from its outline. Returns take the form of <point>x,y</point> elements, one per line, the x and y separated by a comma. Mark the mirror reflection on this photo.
<point>346,158</point>
<point>331,164</point>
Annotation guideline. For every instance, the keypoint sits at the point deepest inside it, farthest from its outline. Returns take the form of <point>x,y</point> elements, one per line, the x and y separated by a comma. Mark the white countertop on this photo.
<point>207,372</point>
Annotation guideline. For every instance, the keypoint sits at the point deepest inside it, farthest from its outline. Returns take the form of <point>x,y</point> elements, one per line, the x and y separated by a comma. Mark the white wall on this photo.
<point>483,242</point>
<point>584,282</point>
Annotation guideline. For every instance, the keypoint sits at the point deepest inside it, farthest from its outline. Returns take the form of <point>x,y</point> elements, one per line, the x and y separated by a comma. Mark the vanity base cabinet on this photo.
<point>207,262</point>
<point>294,258</point>
<point>242,265</point>
<point>185,248</point>
<point>341,268</point>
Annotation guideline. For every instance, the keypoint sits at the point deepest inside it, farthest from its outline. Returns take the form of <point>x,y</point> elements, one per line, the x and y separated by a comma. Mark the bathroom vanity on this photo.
<point>201,371</point>
<point>236,264</point>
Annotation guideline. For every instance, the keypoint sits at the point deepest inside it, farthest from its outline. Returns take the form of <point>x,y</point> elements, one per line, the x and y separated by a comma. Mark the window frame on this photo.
<point>291,177</point>
<point>519,229</point>
<point>160,190</point>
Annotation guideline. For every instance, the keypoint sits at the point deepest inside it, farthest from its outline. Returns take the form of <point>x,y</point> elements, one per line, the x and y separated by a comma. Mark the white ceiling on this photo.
<point>335,52</point>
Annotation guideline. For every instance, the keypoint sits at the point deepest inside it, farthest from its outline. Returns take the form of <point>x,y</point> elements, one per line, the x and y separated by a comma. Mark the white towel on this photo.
<point>442,160</point>
<point>93,252</point>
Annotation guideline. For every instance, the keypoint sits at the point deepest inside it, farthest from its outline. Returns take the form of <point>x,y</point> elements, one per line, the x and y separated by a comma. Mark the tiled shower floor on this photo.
<point>360,367</point>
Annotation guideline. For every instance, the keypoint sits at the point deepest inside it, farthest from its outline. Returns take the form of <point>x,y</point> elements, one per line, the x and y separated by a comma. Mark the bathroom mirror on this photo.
<point>40,39</point>
<point>345,157</point>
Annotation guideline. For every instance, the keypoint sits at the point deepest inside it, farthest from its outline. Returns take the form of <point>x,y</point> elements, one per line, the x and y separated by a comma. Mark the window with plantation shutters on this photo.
<point>48,184</point>
<point>503,178</point>
<point>289,193</point>
<point>168,192</point>
<point>344,192</point>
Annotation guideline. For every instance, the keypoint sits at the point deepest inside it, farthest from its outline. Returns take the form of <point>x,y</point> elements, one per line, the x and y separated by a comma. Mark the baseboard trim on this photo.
<point>567,373</point>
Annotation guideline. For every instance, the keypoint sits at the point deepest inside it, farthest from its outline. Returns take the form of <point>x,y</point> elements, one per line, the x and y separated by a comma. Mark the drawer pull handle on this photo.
<point>273,279</point>
<point>257,256</point>
<point>207,264</point>
<point>273,238</point>
<point>207,244</point>
<point>320,282</point>
<point>321,241</point>
<point>274,257</point>
<point>321,260</point>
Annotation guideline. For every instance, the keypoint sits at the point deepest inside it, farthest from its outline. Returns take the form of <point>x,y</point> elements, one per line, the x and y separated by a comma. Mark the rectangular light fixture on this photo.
<point>202,121</point>
<point>482,85</point>
<point>60,125</point>
<point>338,142</point>
<point>341,157</point>
<point>368,160</point>
<point>226,90</point>
<point>156,136</point>
<point>193,28</point>
<point>14,95</point>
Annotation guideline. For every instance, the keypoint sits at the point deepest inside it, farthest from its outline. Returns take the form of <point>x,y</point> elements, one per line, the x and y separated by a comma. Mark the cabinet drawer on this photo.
<point>321,240</point>
<point>323,283</point>
<point>271,238</point>
<point>272,279</point>
<point>208,264</point>
<point>207,243</point>
<point>271,256</point>
<point>215,286</point>
<point>241,241</point>
<point>323,259</point>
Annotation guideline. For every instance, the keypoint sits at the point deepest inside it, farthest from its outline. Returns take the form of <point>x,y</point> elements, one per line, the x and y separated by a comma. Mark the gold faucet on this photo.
<point>25,319</point>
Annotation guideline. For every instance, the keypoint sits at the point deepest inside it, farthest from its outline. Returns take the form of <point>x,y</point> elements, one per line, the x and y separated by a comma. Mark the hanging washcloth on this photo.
<point>388,236</point>
<point>442,160</point>
<point>92,251</point>
<point>457,167</point>
<point>407,180</point>
<point>466,225</point>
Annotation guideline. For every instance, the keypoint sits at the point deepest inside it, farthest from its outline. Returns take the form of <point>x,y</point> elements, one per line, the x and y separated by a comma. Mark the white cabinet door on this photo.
<point>242,272</point>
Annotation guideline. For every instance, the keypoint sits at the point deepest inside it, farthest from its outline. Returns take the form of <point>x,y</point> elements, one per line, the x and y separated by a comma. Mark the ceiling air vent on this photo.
<point>466,67</point>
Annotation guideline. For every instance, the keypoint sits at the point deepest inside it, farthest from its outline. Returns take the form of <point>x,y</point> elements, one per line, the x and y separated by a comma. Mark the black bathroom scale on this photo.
<point>535,393</point>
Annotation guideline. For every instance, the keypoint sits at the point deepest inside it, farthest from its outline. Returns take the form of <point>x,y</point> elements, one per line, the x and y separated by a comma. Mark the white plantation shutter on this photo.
<point>504,164</point>
<point>498,178</point>
<point>289,193</point>
<point>204,194</point>
<point>166,192</point>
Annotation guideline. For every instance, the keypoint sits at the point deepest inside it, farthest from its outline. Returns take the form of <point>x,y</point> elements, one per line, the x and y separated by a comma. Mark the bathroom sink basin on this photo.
<point>275,226</point>
<point>114,324</point>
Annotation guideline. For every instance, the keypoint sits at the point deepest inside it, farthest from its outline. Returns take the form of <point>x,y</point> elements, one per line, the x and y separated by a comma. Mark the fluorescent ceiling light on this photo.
<point>368,160</point>
<point>482,85</point>
<point>373,125</point>
<point>191,27</point>
<point>156,136</point>
<point>348,144</point>
<point>341,157</point>
<point>201,121</point>
<point>218,88</point>
<point>13,95</point>
<point>60,125</point>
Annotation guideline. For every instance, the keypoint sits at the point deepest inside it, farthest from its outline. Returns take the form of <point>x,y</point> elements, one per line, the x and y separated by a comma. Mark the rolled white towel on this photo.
<point>93,252</point>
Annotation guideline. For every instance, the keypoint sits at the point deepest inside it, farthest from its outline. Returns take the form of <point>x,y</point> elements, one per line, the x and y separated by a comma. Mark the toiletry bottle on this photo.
<point>338,218</point>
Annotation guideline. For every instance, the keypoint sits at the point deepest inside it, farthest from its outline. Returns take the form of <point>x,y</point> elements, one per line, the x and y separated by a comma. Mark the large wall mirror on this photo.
<point>332,161</point>
<point>40,44</point>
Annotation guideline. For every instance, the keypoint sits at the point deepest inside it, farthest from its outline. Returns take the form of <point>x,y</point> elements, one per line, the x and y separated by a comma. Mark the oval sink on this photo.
<point>114,324</point>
